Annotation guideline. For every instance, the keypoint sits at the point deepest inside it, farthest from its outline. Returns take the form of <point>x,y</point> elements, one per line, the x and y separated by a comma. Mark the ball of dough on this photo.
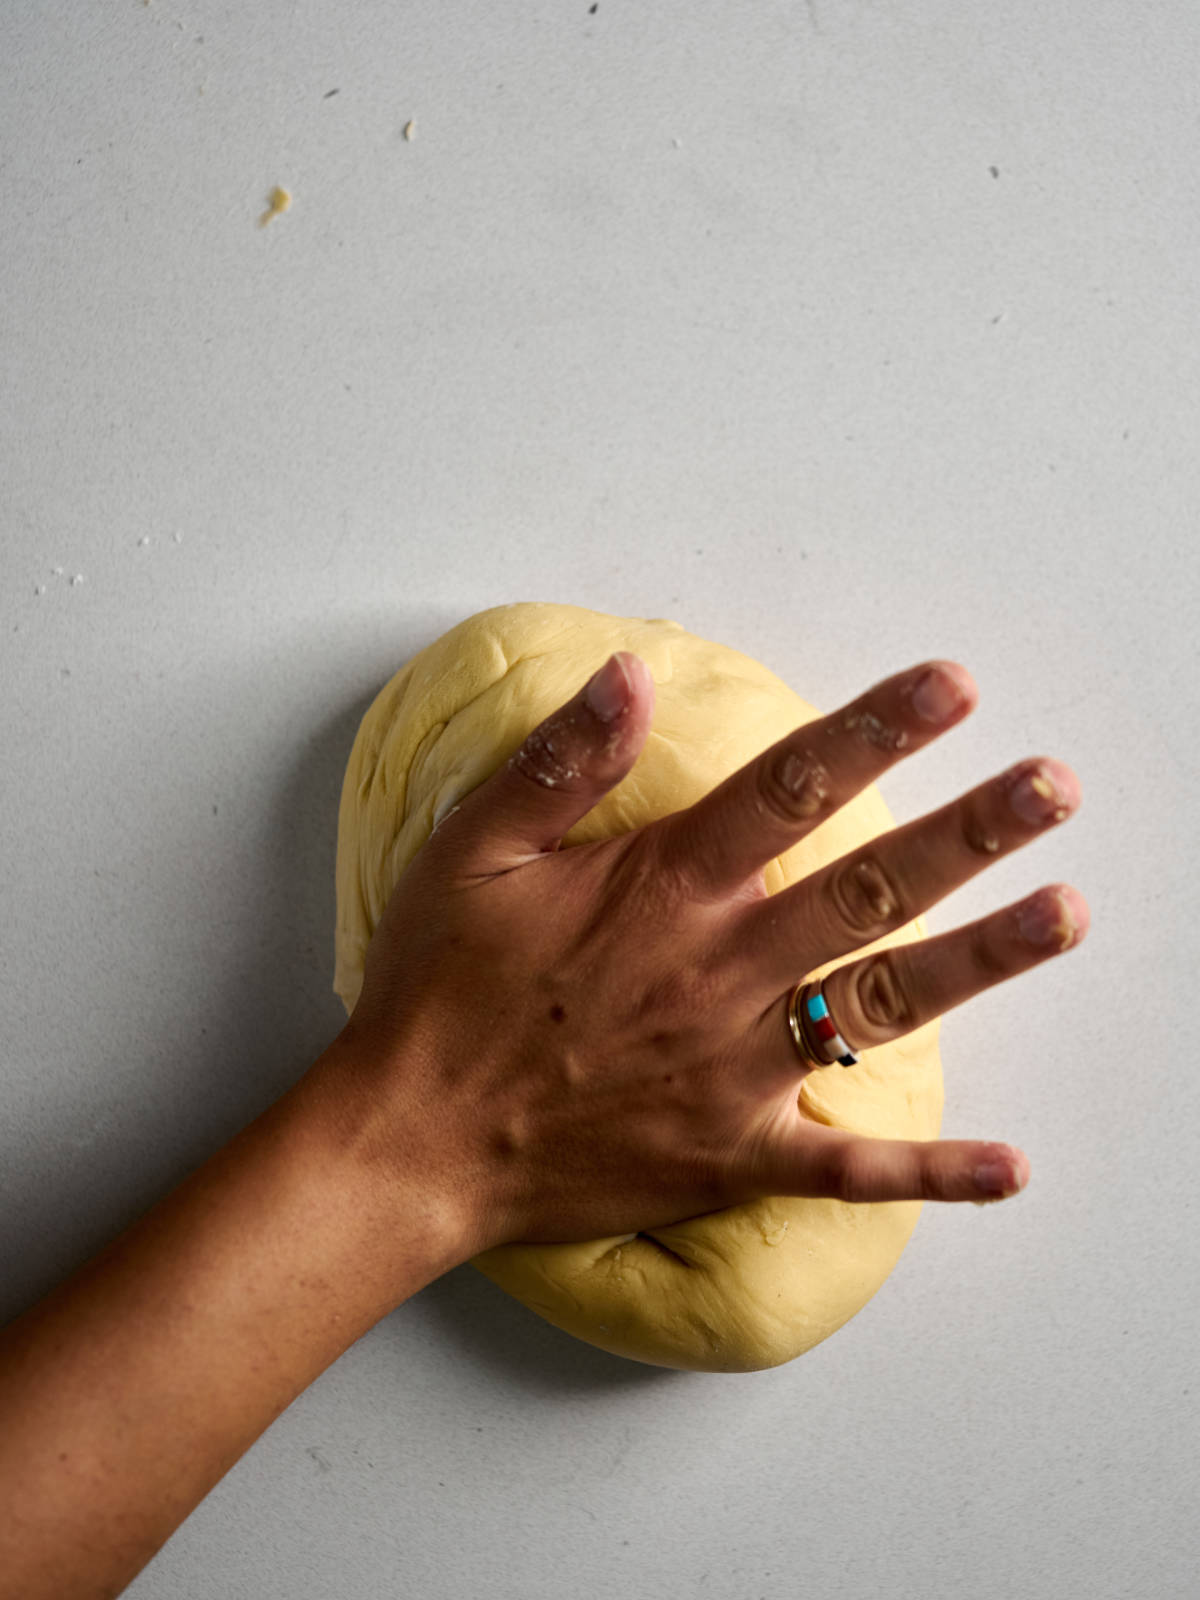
<point>736,1290</point>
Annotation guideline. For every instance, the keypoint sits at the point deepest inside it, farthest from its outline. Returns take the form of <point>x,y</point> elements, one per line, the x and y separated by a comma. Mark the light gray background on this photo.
<point>845,333</point>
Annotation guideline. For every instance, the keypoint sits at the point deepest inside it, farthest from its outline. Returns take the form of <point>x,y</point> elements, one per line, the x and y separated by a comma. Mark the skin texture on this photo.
<point>550,1045</point>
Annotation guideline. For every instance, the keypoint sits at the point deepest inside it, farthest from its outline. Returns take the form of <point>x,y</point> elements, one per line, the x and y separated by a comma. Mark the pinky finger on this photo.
<point>859,1169</point>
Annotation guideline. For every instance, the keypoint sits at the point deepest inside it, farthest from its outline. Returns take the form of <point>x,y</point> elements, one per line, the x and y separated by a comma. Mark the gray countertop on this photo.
<point>847,334</point>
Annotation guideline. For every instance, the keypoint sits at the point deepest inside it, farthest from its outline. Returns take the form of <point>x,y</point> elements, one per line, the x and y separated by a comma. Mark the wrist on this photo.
<point>395,1173</point>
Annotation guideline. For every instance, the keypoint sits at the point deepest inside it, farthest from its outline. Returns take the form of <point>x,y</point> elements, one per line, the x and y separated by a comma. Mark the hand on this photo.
<point>549,1045</point>
<point>571,1044</point>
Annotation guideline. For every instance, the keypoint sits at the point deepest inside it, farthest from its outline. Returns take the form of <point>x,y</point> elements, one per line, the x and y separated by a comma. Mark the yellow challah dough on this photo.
<point>736,1290</point>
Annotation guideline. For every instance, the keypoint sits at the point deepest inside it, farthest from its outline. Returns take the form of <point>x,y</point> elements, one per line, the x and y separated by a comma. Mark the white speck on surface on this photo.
<point>410,130</point>
<point>78,578</point>
<point>145,539</point>
<point>57,571</point>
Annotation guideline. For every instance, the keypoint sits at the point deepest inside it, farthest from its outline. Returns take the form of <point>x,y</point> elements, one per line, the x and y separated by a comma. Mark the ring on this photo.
<point>813,1031</point>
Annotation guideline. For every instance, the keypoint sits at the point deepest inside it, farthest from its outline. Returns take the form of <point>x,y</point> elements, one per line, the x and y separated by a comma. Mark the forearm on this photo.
<point>131,1390</point>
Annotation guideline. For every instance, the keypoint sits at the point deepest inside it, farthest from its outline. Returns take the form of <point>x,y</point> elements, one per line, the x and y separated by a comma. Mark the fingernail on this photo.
<point>937,696</point>
<point>1036,798</point>
<point>608,691</point>
<point>997,1178</point>
<point>1048,919</point>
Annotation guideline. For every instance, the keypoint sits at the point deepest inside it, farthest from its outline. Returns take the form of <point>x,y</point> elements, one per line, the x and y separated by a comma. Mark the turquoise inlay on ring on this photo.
<point>817,1007</point>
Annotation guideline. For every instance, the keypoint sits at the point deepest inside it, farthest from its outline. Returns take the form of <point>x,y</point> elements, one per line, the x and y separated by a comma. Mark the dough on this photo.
<point>736,1290</point>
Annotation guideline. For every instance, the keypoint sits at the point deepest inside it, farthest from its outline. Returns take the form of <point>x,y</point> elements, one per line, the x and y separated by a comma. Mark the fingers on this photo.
<point>559,772</point>
<point>880,887</point>
<point>895,991</point>
<point>814,1159</point>
<point>766,806</point>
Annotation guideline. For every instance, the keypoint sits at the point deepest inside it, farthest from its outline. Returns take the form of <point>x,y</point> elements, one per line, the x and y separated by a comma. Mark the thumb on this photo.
<point>562,769</point>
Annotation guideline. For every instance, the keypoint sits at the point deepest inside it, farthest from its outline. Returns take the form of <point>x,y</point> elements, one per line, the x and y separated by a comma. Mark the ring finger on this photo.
<point>895,991</point>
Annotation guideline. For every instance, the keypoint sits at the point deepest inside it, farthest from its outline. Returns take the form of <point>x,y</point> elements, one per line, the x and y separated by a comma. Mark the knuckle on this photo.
<point>881,994</point>
<point>793,786</point>
<point>867,1169</point>
<point>651,874</point>
<point>985,957</point>
<point>863,722</point>
<point>850,1174</point>
<point>681,994</point>
<point>547,757</point>
<point>865,897</point>
<point>933,1180</point>
<point>849,1179</point>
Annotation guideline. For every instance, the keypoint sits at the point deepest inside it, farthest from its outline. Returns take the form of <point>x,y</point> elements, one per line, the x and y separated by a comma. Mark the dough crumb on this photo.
<point>438,820</point>
<point>873,731</point>
<point>410,130</point>
<point>280,202</point>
